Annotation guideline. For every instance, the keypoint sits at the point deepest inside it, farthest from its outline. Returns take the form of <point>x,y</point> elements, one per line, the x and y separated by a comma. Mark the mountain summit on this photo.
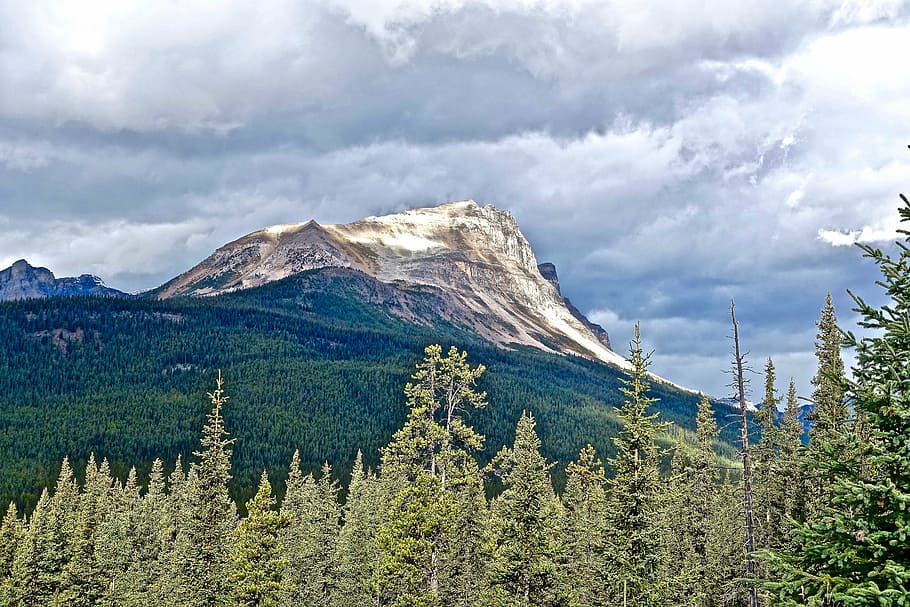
<point>475,257</point>
<point>24,281</point>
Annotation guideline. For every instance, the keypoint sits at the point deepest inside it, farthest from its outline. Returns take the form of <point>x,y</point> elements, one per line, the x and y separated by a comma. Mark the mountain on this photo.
<point>481,266</point>
<point>316,330</point>
<point>24,281</point>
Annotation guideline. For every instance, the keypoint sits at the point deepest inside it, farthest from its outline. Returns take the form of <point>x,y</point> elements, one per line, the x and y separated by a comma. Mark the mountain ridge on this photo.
<point>476,254</point>
<point>22,280</point>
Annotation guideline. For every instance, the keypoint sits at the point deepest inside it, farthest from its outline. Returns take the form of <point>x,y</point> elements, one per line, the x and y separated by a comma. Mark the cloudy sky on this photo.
<point>667,156</point>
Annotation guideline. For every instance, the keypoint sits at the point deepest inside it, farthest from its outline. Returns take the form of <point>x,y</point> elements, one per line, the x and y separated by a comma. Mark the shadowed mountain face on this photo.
<point>24,281</point>
<point>476,259</point>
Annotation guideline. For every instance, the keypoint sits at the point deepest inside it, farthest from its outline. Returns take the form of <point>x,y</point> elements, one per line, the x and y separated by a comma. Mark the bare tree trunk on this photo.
<point>740,384</point>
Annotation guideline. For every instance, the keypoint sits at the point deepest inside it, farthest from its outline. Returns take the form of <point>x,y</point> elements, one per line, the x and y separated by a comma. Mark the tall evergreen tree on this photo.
<point>830,413</point>
<point>855,550</point>
<point>585,504</point>
<point>204,544</point>
<point>258,565</point>
<point>167,587</point>
<point>41,555</point>
<point>790,460</point>
<point>12,533</point>
<point>635,501</point>
<point>428,468</point>
<point>356,552</point>
<point>522,541</point>
<point>770,522</point>
<point>694,508</point>
<point>83,578</point>
<point>309,540</point>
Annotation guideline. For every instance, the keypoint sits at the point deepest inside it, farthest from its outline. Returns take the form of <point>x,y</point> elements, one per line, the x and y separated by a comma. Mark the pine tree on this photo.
<point>522,539</point>
<point>855,550</point>
<point>204,543</point>
<point>42,554</point>
<point>790,461</point>
<point>584,499</point>
<point>258,565</point>
<point>428,469</point>
<point>770,519</point>
<point>830,413</point>
<point>12,533</point>
<point>309,540</point>
<point>696,486</point>
<point>83,578</point>
<point>635,500</point>
<point>356,552</point>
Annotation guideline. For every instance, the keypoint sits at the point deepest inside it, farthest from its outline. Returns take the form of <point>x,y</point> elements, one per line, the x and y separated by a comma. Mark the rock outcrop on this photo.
<point>24,281</point>
<point>475,255</point>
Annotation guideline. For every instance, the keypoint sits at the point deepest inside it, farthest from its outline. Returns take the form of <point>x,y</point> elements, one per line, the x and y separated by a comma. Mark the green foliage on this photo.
<point>356,549</point>
<point>855,549</point>
<point>313,366</point>
<point>314,515</point>
<point>705,536</point>
<point>636,553</point>
<point>522,541</point>
<point>204,537</point>
<point>258,565</point>
<point>585,535</point>
<point>428,468</point>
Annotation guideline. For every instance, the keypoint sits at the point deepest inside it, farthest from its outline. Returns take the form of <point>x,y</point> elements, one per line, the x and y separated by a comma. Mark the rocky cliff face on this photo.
<point>477,256</point>
<point>24,281</point>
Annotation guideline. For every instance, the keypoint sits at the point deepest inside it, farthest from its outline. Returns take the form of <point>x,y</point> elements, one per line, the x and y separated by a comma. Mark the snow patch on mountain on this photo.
<point>475,255</point>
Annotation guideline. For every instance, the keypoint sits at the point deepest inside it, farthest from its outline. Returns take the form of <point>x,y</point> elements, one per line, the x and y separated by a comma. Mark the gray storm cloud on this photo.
<point>667,157</point>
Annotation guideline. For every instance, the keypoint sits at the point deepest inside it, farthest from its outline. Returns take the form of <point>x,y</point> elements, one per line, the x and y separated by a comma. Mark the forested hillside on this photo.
<point>823,524</point>
<point>315,362</point>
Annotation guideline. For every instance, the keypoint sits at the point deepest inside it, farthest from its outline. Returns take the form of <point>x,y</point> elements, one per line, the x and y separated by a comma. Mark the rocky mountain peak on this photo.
<point>476,255</point>
<point>25,281</point>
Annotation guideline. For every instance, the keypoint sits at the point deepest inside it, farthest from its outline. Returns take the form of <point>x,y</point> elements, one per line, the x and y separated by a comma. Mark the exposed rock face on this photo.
<point>24,281</point>
<point>548,271</point>
<point>476,256</point>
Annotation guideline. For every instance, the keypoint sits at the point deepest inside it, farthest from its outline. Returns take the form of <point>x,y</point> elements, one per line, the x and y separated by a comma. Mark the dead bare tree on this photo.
<point>740,384</point>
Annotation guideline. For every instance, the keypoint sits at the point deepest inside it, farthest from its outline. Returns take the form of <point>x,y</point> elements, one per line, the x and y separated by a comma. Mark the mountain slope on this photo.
<point>315,362</point>
<point>477,257</point>
<point>24,281</point>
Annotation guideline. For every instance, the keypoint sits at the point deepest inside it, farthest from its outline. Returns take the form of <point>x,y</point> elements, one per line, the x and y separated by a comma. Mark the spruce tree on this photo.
<point>790,461</point>
<point>309,540</point>
<point>204,543</point>
<point>770,522</point>
<point>585,504</point>
<point>41,555</point>
<point>830,412</point>
<point>167,587</point>
<point>356,552</point>
<point>84,579</point>
<point>635,513</point>
<point>855,550</point>
<point>522,542</point>
<point>258,564</point>
<point>12,533</point>
<point>694,509</point>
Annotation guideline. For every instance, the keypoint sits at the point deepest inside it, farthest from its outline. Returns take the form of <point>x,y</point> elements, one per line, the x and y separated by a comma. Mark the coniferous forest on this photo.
<point>827,519</point>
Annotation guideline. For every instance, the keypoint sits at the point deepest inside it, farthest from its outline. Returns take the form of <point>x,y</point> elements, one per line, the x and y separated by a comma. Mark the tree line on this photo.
<point>828,526</point>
